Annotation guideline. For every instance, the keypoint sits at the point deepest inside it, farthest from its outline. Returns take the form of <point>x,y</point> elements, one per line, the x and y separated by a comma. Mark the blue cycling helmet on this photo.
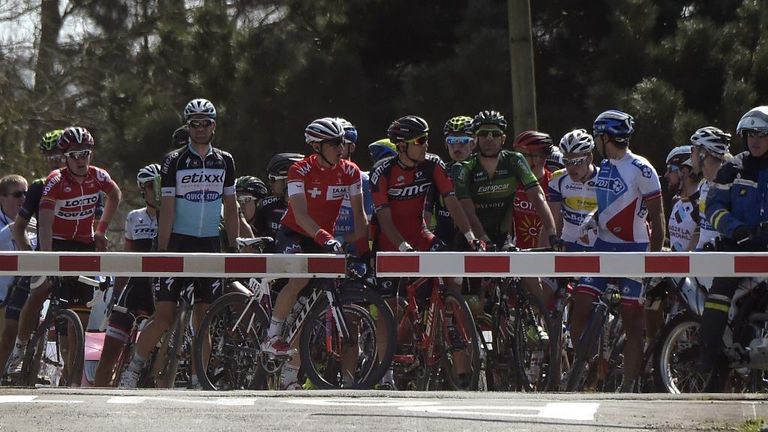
<point>616,124</point>
<point>381,149</point>
<point>350,131</point>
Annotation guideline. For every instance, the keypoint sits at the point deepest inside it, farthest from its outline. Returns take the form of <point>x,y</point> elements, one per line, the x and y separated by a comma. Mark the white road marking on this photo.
<point>33,399</point>
<point>356,402</point>
<point>557,410</point>
<point>133,400</point>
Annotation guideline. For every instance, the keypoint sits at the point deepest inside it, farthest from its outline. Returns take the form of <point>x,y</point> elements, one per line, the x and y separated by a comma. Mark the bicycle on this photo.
<point>439,340</point>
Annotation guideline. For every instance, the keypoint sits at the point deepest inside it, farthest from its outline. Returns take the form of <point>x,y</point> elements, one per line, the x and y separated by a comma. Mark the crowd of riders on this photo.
<point>587,191</point>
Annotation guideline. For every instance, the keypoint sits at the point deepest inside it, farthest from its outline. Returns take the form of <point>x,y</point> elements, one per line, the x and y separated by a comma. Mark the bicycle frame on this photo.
<point>422,332</point>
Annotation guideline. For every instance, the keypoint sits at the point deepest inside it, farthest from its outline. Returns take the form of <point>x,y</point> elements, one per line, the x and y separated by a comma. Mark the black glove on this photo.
<point>477,245</point>
<point>333,246</point>
<point>490,247</point>
<point>231,249</point>
<point>741,234</point>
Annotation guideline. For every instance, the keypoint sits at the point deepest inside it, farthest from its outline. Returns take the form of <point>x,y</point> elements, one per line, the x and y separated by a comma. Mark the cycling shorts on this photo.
<point>206,290</point>
<point>17,296</point>
<point>76,294</point>
<point>137,298</point>
<point>632,289</point>
<point>576,247</point>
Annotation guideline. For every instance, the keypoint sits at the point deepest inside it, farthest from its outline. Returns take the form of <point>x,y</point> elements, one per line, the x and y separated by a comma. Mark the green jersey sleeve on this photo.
<point>521,169</point>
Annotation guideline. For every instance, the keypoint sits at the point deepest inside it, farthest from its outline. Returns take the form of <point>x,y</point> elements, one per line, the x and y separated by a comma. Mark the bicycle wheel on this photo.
<point>171,350</point>
<point>586,349</point>
<point>675,356</point>
<point>531,343</point>
<point>460,363</point>
<point>56,352</point>
<point>236,334</point>
<point>490,344</point>
<point>327,357</point>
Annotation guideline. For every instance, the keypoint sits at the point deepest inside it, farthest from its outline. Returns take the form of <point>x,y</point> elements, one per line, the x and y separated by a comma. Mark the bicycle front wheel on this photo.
<point>460,364</point>
<point>531,343</point>
<point>56,352</point>
<point>236,331</point>
<point>331,359</point>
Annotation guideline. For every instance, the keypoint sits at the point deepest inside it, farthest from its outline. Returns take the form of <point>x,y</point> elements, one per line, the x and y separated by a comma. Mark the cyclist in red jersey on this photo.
<point>536,147</point>
<point>66,215</point>
<point>400,186</point>
<point>316,187</point>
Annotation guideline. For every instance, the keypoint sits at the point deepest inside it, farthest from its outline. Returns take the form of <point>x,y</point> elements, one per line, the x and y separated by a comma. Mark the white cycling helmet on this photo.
<point>577,141</point>
<point>680,156</point>
<point>147,174</point>
<point>324,129</point>
<point>199,107</point>
<point>713,140</point>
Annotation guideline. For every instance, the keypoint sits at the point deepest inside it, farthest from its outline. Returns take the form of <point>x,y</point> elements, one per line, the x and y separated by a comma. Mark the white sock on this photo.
<point>137,363</point>
<point>275,327</point>
<point>289,374</point>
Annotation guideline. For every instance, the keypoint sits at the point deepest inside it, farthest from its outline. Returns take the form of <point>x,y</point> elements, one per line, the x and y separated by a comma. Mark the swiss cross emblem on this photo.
<point>314,192</point>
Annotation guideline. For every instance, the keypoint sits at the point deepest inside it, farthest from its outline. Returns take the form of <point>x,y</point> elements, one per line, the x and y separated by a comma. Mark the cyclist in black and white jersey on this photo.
<point>135,293</point>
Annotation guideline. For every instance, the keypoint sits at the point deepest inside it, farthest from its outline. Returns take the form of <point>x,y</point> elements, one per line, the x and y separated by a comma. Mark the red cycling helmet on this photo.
<point>533,142</point>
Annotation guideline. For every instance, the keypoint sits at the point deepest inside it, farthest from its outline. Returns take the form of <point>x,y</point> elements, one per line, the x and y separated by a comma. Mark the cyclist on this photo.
<point>684,183</point>
<point>250,192</point>
<point>736,207</point>
<point>135,293</point>
<point>380,150</point>
<point>628,192</point>
<point>272,208</point>
<point>67,210</point>
<point>710,150</point>
<point>316,188</point>
<point>18,297</point>
<point>198,185</point>
<point>572,191</point>
<point>13,189</point>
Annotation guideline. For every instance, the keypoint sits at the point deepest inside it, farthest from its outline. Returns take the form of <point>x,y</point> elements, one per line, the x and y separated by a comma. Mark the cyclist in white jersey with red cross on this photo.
<point>628,193</point>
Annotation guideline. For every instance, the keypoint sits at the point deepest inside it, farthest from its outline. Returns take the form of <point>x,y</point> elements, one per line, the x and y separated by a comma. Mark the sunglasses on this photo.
<point>17,194</point>
<point>575,161</point>
<point>756,134</point>
<point>336,142</point>
<point>485,133</point>
<point>673,168</point>
<point>198,124</point>
<point>78,154</point>
<point>418,141</point>
<point>276,177</point>
<point>245,199</point>
<point>458,140</point>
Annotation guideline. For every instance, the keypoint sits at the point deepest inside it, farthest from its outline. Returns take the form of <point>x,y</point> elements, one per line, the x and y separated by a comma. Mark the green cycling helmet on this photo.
<point>50,139</point>
<point>458,125</point>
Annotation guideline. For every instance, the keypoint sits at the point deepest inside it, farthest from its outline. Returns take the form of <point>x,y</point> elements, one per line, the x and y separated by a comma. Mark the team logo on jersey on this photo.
<point>74,214</point>
<point>409,191</point>
<point>615,185</point>
<point>202,196</point>
<point>493,188</point>
<point>80,201</point>
<point>102,175</point>
<point>400,179</point>
<point>67,189</point>
<point>645,169</point>
<point>419,174</point>
<point>336,192</point>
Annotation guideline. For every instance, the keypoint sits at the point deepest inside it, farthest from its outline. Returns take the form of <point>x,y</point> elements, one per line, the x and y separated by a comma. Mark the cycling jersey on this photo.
<point>444,227</point>
<point>74,203</point>
<point>324,189</point>
<point>528,223</point>
<point>141,229</point>
<point>32,200</point>
<point>707,233</point>
<point>577,200</point>
<point>198,183</point>
<point>403,190</point>
<point>683,221</point>
<point>269,213</point>
<point>493,195</point>
<point>623,186</point>
<point>345,223</point>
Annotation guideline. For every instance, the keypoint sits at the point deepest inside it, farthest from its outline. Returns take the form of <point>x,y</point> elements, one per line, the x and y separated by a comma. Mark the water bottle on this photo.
<point>297,307</point>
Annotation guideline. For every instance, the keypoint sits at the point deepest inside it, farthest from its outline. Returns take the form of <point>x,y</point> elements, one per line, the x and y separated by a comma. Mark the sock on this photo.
<point>389,376</point>
<point>193,380</point>
<point>289,374</point>
<point>137,363</point>
<point>275,327</point>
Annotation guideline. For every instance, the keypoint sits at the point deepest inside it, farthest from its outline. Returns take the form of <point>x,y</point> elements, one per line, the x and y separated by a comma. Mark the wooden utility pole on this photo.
<point>521,61</point>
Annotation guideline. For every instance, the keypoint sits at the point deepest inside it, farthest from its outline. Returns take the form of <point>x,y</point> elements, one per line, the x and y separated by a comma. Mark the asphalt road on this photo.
<point>101,410</point>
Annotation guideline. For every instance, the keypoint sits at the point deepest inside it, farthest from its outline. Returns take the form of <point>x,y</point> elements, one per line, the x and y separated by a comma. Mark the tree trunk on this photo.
<point>521,57</point>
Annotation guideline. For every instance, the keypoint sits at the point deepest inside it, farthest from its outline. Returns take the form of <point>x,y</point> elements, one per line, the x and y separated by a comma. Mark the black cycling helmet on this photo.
<point>277,168</point>
<point>489,118</point>
<point>407,128</point>
<point>251,185</point>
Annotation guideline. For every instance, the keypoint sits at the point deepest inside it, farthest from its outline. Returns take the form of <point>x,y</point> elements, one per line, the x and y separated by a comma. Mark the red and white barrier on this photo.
<point>171,264</point>
<point>389,264</point>
<point>609,264</point>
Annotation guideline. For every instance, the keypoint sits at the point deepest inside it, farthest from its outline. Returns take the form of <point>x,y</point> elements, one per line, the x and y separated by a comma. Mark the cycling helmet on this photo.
<point>489,118</point>
<point>251,185</point>
<point>147,174</point>
<point>199,107</point>
<point>713,140</point>
<point>407,128</point>
<point>577,141</point>
<point>616,124</point>
<point>458,125</point>
<point>73,136</point>
<point>555,160</point>
<point>350,131</point>
<point>324,129</point>
<point>279,164</point>
<point>50,139</point>
<point>755,119</point>
<point>680,156</point>
<point>533,142</point>
<point>381,149</point>
<point>180,137</point>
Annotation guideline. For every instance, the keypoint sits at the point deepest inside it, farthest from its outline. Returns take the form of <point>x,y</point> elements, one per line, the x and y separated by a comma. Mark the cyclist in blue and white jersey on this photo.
<point>684,183</point>
<point>628,193</point>
<point>710,150</point>
<point>197,181</point>
<point>571,194</point>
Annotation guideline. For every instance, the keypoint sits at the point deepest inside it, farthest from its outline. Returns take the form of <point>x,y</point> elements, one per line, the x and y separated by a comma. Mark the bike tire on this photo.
<point>320,334</point>
<point>234,362</point>
<point>585,351</point>
<point>675,355</point>
<point>464,325</point>
<point>38,351</point>
<point>173,354</point>
<point>530,311</point>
